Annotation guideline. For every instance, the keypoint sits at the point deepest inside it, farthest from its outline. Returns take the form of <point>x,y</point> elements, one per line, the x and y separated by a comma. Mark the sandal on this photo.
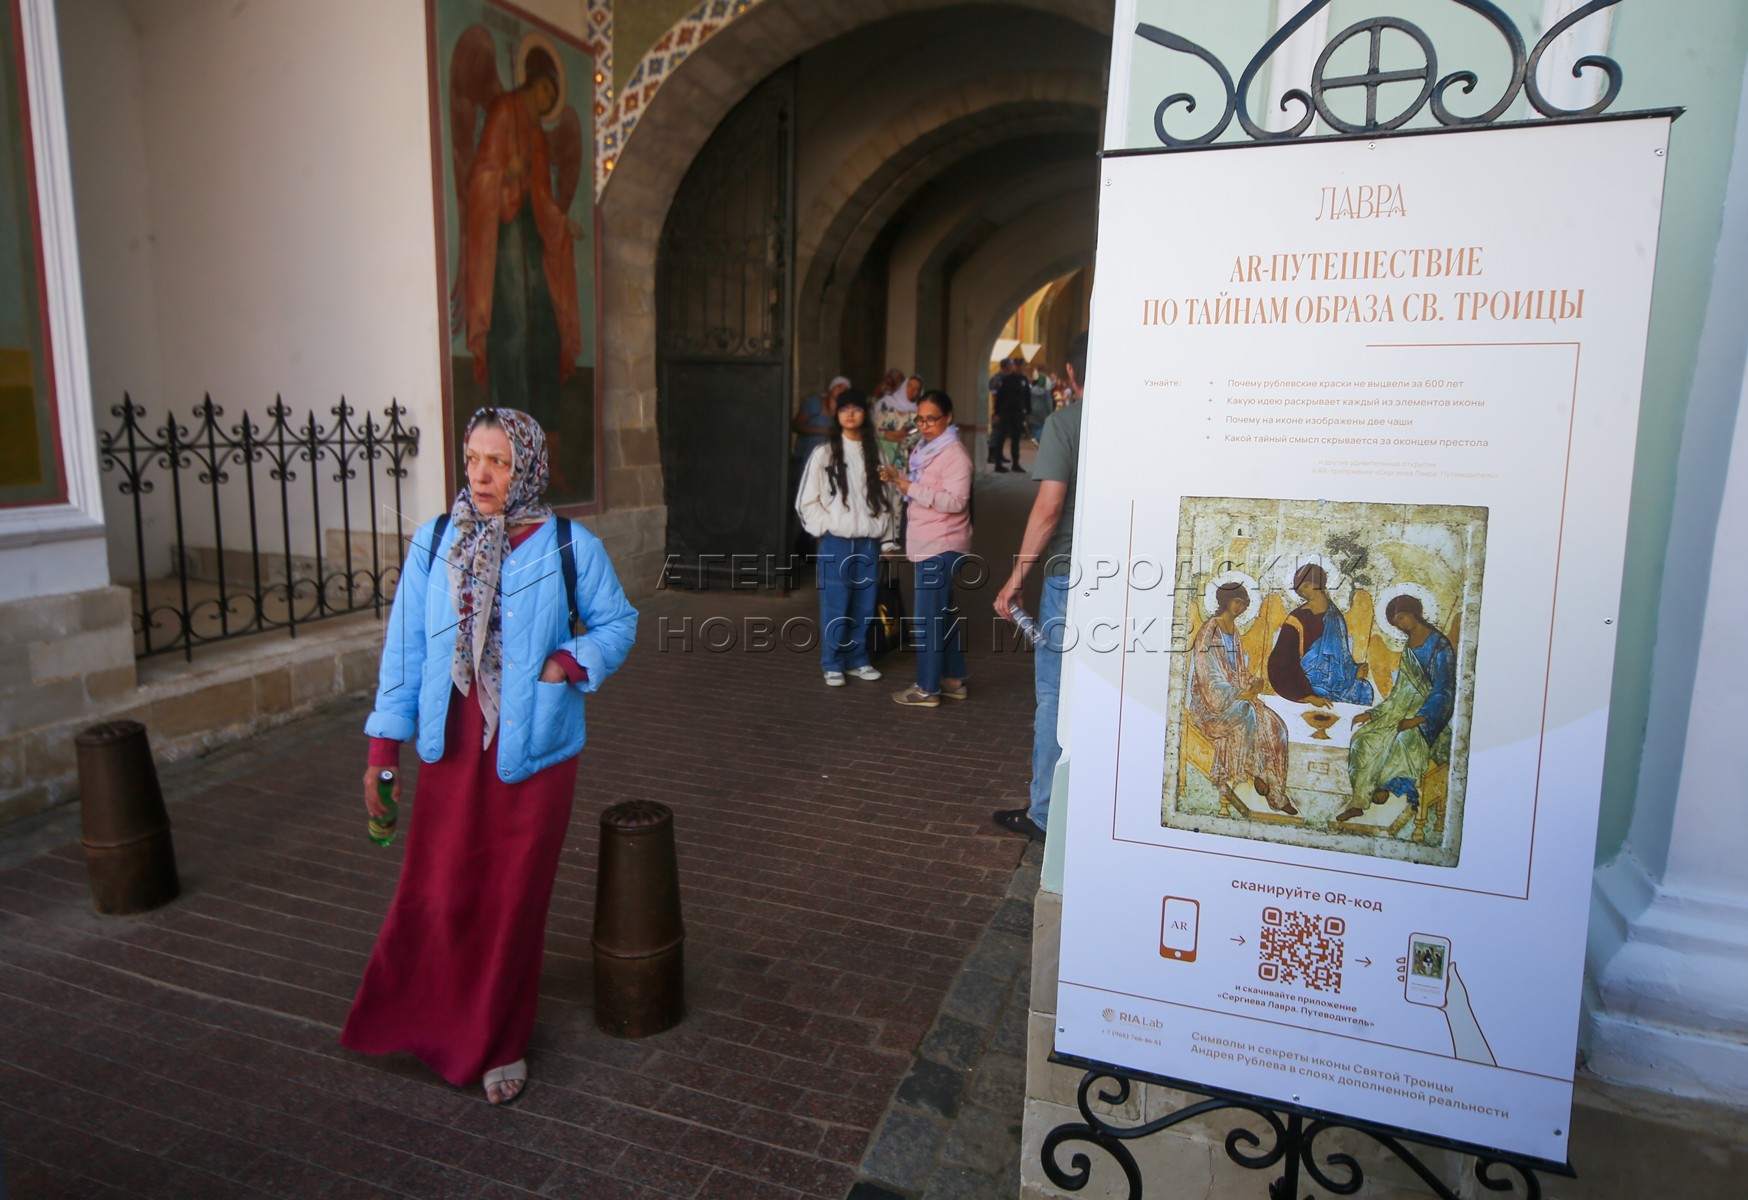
<point>515,1073</point>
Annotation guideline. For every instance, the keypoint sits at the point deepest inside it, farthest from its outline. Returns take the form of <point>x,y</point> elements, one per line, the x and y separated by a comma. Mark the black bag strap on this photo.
<point>437,532</point>
<point>567,560</point>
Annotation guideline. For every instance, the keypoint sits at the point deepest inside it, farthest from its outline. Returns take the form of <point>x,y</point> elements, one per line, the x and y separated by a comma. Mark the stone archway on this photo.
<point>647,171</point>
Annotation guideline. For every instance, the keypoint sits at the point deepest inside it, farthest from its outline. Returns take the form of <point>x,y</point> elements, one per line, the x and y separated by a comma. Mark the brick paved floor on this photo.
<point>838,867</point>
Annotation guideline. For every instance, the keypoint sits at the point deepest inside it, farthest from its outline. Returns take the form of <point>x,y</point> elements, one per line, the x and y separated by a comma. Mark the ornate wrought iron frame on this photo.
<point>1434,89</point>
<point>267,449</point>
<point>1295,1131</point>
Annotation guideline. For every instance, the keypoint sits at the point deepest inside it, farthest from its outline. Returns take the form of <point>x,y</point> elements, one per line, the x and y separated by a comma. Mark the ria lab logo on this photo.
<point>1125,1018</point>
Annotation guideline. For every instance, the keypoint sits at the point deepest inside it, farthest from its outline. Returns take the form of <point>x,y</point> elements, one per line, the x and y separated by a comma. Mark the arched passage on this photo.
<point>894,105</point>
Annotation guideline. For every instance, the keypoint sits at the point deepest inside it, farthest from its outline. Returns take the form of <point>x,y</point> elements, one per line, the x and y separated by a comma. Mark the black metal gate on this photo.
<point>723,313</point>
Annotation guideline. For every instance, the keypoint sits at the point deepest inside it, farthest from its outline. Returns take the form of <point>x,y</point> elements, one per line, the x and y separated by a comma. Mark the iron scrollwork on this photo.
<point>278,588</point>
<point>1289,1139</point>
<point>1434,89</point>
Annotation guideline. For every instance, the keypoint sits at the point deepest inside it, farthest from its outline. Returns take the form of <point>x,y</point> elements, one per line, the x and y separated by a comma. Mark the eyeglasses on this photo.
<point>922,420</point>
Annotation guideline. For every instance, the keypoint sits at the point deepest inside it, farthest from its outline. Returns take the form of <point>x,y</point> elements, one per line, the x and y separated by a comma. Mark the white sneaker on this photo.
<point>866,672</point>
<point>834,679</point>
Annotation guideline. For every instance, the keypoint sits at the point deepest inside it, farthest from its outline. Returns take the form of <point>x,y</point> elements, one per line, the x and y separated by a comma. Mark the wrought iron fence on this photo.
<point>279,568</point>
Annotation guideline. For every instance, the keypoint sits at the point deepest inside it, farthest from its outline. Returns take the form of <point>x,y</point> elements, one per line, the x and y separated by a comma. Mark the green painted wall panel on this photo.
<point>638,25</point>
<point>1697,62</point>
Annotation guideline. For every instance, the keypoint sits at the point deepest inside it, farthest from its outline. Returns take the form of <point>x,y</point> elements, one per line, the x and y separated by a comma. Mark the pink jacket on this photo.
<point>936,519</point>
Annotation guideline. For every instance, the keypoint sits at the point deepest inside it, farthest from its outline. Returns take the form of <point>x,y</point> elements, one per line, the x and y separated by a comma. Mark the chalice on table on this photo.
<point>1320,719</point>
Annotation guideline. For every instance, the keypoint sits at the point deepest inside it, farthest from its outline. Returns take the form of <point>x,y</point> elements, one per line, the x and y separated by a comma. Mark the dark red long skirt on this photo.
<point>455,975</point>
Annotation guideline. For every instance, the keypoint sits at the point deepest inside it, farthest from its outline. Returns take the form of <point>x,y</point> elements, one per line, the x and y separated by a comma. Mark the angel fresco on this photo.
<point>518,156</point>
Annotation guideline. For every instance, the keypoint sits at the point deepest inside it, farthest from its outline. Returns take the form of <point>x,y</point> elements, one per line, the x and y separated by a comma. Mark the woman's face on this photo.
<point>851,417</point>
<point>931,422</point>
<point>491,465</point>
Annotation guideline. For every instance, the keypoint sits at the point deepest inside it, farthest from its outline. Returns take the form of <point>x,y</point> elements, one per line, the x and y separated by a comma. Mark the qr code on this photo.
<point>1300,948</point>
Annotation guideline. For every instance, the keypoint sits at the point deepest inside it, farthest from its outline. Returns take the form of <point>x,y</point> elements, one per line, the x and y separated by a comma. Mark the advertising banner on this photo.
<point>1349,550</point>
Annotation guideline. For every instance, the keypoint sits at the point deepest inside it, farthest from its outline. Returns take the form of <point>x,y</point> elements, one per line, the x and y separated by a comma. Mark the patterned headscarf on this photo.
<point>477,555</point>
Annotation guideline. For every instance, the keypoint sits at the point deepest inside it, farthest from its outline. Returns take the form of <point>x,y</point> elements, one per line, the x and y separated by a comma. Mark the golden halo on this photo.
<point>531,41</point>
<point>1244,619</point>
<point>1428,603</point>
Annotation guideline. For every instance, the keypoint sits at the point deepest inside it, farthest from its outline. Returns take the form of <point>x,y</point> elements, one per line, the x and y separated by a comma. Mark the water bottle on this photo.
<point>382,830</point>
<point>1023,619</point>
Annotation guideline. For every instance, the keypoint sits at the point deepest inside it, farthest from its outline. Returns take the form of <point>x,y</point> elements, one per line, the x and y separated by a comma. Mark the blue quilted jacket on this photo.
<point>539,724</point>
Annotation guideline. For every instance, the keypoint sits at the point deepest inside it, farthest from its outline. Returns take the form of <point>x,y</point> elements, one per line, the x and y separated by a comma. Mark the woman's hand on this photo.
<point>552,672</point>
<point>372,804</point>
<point>1361,718</point>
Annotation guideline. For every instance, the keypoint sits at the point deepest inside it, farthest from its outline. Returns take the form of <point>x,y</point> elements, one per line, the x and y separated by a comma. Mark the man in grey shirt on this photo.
<point>1048,538</point>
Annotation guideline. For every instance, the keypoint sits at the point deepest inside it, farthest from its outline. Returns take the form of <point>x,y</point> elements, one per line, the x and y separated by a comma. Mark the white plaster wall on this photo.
<point>255,206</point>
<point>105,95</point>
<point>1709,838</point>
<point>290,207</point>
<point>1713,421</point>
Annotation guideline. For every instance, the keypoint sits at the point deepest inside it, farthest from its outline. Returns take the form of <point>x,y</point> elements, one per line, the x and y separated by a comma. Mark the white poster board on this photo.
<point>1335,374</point>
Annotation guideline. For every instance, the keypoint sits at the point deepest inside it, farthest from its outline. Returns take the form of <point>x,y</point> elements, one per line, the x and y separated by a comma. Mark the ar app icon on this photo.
<point>1178,922</point>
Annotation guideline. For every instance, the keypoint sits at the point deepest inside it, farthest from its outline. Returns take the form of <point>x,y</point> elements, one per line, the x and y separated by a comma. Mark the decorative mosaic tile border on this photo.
<point>600,20</point>
<point>616,117</point>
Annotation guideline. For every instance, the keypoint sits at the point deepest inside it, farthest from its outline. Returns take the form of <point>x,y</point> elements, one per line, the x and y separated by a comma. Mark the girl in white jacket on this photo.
<point>843,503</point>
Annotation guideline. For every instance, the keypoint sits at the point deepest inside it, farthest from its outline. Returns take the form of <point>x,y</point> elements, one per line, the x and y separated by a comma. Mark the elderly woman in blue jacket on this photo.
<point>482,669</point>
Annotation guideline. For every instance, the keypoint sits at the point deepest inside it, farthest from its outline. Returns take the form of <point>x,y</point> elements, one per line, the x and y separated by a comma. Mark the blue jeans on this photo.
<point>939,652</point>
<point>1047,683</point>
<point>848,571</point>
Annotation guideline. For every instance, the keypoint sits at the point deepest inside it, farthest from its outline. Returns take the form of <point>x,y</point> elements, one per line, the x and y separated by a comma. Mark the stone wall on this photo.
<point>66,663</point>
<point>61,657</point>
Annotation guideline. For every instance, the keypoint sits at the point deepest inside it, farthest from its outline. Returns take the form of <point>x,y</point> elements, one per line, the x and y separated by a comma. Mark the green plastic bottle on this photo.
<point>382,831</point>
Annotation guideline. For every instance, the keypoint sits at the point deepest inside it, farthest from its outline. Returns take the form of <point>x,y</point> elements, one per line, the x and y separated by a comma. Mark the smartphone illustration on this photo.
<point>1427,979</point>
<point>1178,924</point>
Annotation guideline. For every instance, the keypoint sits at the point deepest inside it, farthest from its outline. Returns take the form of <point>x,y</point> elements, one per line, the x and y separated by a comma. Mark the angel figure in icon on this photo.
<point>1225,706</point>
<point>1313,660</point>
<point>1394,743</point>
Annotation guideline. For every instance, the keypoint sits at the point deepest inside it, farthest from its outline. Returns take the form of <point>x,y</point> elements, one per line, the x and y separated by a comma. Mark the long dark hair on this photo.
<point>837,474</point>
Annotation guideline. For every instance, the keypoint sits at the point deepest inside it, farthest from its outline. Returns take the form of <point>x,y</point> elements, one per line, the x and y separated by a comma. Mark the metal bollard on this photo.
<point>126,832</point>
<point>639,977</point>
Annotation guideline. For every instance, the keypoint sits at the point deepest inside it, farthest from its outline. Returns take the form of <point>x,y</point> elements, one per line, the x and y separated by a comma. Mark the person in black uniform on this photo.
<point>1013,401</point>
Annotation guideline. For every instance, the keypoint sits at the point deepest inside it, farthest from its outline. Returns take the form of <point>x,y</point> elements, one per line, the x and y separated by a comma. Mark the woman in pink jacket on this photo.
<point>937,489</point>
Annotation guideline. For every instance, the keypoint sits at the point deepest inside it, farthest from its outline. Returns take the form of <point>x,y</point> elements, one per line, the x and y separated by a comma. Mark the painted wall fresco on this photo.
<point>513,114</point>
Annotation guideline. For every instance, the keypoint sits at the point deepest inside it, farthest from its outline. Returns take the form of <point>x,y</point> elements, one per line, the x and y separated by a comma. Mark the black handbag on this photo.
<point>886,630</point>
